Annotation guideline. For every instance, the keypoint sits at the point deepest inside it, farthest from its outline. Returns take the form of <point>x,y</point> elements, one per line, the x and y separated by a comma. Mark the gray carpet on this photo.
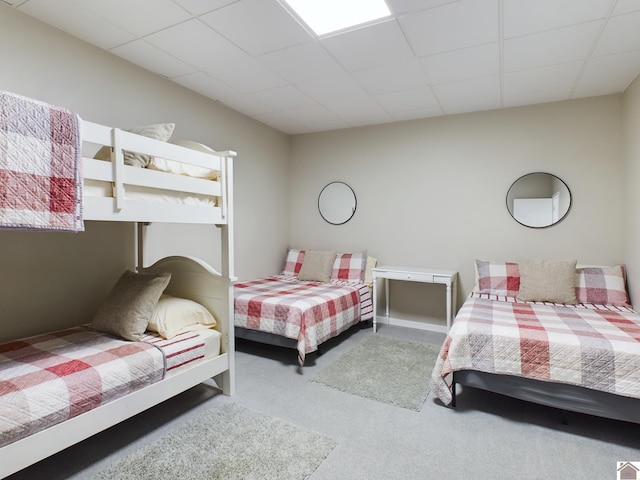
<point>385,369</point>
<point>231,442</point>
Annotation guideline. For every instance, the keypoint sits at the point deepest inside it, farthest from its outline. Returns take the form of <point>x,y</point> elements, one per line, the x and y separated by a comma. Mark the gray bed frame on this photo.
<point>567,398</point>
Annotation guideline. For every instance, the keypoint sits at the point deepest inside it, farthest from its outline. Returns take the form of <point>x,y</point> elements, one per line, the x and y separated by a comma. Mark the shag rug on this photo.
<point>385,369</point>
<point>230,442</point>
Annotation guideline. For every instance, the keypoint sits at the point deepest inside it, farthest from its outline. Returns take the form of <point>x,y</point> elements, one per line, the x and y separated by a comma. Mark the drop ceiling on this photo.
<point>430,58</point>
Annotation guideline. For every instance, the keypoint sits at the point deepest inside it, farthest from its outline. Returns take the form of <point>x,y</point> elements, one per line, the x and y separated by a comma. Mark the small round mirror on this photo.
<point>337,203</point>
<point>538,200</point>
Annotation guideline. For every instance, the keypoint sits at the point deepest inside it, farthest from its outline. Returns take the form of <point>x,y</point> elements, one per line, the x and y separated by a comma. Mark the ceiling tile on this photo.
<point>546,84</point>
<point>453,26</point>
<point>392,77</point>
<point>197,44</point>
<point>83,24</point>
<point>198,7</point>
<point>330,89</point>
<point>548,48</point>
<point>147,56</point>
<point>302,63</point>
<point>626,6</point>
<point>356,109</point>
<point>606,75</point>
<point>282,122</point>
<point>407,6</point>
<point>370,47</point>
<point>283,98</point>
<point>140,17</point>
<point>420,103</point>
<point>469,95</point>
<point>209,87</point>
<point>474,62</point>
<point>526,17</point>
<point>243,23</point>
<point>247,76</point>
<point>621,34</point>
<point>317,118</point>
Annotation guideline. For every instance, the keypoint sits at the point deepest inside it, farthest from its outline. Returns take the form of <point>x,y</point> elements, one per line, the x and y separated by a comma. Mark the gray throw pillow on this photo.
<point>547,281</point>
<point>317,266</point>
<point>129,306</point>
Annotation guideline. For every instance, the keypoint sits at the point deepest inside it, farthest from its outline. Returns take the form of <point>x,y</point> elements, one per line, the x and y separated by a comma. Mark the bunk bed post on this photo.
<point>227,265</point>
<point>140,245</point>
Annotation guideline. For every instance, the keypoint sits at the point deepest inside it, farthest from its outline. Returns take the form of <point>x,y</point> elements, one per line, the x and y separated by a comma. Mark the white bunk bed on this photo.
<point>190,278</point>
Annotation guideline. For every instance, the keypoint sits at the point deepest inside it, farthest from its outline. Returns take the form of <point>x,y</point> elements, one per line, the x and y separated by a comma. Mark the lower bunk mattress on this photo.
<point>49,378</point>
<point>596,347</point>
<point>308,312</point>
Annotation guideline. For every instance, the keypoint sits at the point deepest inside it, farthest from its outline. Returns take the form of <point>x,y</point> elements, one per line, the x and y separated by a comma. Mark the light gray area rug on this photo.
<point>385,369</point>
<point>229,443</point>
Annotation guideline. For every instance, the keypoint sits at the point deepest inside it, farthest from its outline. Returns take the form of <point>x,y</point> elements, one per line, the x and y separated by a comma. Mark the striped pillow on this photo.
<point>349,267</point>
<point>293,262</point>
<point>498,278</point>
<point>601,285</point>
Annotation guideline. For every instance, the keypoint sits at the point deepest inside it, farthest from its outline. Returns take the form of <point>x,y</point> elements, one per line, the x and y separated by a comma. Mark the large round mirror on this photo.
<point>538,200</point>
<point>337,203</point>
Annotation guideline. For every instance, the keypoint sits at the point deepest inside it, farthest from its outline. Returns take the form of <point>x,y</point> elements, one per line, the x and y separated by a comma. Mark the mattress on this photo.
<point>186,348</point>
<point>97,188</point>
<point>47,379</point>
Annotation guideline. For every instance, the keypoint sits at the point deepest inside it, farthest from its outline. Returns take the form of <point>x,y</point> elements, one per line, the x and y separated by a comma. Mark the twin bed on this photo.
<point>549,333</point>
<point>59,388</point>
<point>318,295</point>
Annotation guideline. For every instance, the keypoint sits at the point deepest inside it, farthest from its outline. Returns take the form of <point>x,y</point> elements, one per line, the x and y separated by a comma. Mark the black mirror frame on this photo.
<point>543,226</point>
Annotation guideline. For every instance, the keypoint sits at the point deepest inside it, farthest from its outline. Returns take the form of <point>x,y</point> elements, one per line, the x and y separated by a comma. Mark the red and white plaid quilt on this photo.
<point>593,346</point>
<point>40,166</point>
<point>309,312</point>
<point>47,379</point>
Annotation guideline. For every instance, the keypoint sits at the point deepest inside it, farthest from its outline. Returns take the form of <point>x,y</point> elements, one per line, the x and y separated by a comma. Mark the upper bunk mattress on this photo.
<point>592,346</point>
<point>97,188</point>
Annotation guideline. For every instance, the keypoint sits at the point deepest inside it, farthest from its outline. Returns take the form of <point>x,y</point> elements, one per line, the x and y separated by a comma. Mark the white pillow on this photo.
<point>173,314</point>
<point>178,168</point>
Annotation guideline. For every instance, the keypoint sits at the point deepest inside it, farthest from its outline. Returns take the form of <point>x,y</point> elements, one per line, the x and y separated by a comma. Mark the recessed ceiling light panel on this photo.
<point>327,16</point>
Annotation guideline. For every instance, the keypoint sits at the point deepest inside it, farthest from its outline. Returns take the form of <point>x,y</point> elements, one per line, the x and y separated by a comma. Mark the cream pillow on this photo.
<point>160,131</point>
<point>172,315</point>
<point>547,281</point>
<point>317,266</point>
<point>129,306</point>
<point>179,168</point>
<point>368,274</point>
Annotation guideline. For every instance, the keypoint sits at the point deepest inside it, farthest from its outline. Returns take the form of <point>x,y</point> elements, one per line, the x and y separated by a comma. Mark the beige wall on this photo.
<point>631,226</point>
<point>432,192</point>
<point>41,62</point>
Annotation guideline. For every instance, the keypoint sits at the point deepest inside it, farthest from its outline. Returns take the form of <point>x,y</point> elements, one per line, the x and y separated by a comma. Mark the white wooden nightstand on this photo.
<point>413,274</point>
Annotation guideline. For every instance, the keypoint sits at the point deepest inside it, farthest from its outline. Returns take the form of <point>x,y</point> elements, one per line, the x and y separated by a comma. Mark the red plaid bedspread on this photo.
<point>594,346</point>
<point>47,379</point>
<point>309,312</point>
<point>40,165</point>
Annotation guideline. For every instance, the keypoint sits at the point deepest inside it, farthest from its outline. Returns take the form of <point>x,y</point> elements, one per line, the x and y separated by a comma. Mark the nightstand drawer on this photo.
<point>410,276</point>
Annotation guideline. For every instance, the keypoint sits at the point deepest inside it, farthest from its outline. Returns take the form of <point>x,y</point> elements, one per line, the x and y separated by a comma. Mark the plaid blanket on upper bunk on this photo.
<point>40,166</point>
<point>310,312</point>
<point>47,379</point>
<point>593,346</point>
